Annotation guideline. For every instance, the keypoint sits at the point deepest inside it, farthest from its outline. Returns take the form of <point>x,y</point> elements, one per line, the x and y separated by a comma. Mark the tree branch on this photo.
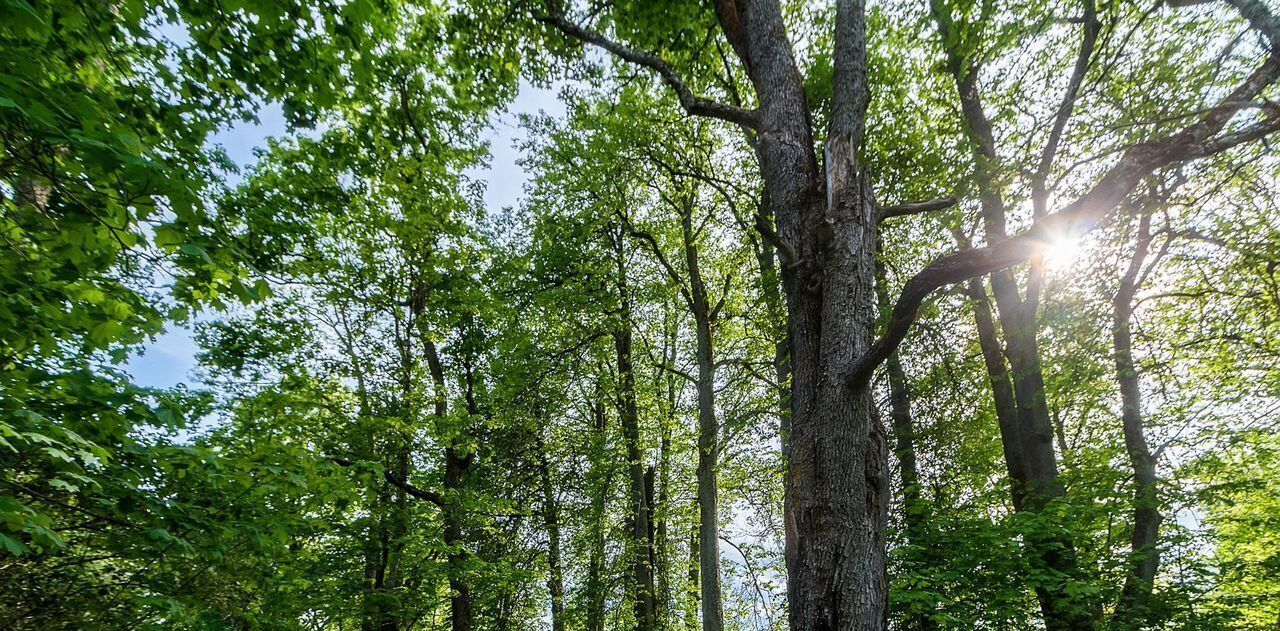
<point>916,208</point>
<point>788,255</point>
<point>652,242</point>
<point>426,496</point>
<point>1088,41</point>
<point>693,104</point>
<point>1200,139</point>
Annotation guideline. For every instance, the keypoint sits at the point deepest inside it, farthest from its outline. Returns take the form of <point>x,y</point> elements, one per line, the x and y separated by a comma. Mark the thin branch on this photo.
<point>652,242</point>
<point>785,252</point>
<point>916,208</point>
<point>695,105</point>
<point>426,496</point>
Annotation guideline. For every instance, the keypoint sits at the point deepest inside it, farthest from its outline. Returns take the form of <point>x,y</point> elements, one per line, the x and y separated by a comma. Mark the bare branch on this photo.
<point>426,496</point>
<point>788,255</point>
<point>1088,40</point>
<point>916,208</point>
<point>693,104</point>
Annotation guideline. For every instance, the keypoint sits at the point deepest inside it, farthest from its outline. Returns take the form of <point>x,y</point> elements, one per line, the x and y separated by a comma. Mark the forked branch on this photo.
<point>693,104</point>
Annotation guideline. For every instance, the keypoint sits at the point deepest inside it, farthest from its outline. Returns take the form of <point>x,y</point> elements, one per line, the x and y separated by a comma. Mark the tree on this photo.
<point>648,395</point>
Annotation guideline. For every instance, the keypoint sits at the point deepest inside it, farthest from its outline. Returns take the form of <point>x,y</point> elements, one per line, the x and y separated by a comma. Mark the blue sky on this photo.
<point>170,358</point>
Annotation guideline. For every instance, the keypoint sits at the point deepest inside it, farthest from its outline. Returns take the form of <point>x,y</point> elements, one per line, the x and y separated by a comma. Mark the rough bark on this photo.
<point>836,502</point>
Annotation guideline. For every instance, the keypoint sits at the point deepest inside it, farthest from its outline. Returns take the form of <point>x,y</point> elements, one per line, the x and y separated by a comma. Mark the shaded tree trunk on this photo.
<point>1001,386</point>
<point>1144,554</point>
<point>457,463</point>
<point>629,416</point>
<point>1035,467</point>
<point>599,505</point>
<point>551,520</point>
<point>693,589</point>
<point>904,433</point>
<point>374,606</point>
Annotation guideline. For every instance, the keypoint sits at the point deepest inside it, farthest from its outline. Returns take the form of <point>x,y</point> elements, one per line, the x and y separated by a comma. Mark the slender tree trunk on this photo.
<point>650,492</point>
<point>662,539</point>
<point>457,464</point>
<point>1037,485</point>
<point>1144,554</point>
<point>599,504</point>
<point>374,607</point>
<point>1054,551</point>
<point>1001,390</point>
<point>708,436</point>
<point>456,468</point>
<point>641,537</point>
<point>1006,407</point>
<point>396,530</point>
<point>551,519</point>
<point>904,433</point>
<point>771,291</point>
<point>377,611</point>
<point>694,587</point>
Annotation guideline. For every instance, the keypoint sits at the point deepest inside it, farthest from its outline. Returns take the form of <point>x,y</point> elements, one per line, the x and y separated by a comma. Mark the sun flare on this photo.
<point>1062,254</point>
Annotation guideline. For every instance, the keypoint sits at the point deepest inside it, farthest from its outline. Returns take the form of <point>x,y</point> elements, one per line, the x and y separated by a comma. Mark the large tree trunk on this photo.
<point>1144,554</point>
<point>628,413</point>
<point>836,501</point>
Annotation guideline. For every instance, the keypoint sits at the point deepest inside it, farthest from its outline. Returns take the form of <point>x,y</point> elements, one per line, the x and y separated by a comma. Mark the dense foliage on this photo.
<point>627,401</point>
